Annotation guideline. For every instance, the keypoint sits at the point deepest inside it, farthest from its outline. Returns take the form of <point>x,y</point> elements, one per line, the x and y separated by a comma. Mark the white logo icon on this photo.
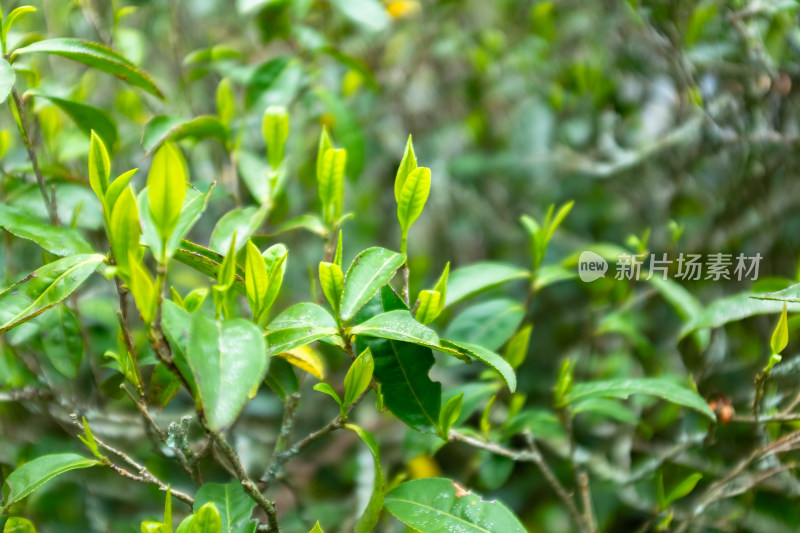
<point>591,266</point>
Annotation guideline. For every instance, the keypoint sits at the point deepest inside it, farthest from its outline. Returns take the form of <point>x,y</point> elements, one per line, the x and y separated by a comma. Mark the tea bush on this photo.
<point>233,299</point>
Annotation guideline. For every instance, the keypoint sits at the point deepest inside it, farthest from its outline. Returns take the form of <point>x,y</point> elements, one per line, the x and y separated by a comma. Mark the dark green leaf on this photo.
<point>233,504</point>
<point>86,117</point>
<point>56,240</point>
<point>228,361</point>
<point>624,387</point>
<point>44,288</point>
<point>62,341</point>
<point>94,55</point>
<point>297,326</point>
<point>489,324</point>
<point>489,358</point>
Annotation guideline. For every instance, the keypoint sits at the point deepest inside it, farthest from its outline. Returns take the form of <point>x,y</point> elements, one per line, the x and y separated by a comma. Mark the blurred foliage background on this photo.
<point>674,121</point>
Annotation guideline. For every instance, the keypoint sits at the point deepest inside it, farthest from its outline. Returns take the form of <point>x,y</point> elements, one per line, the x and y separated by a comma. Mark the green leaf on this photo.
<point>490,359</point>
<point>206,261</point>
<point>324,388</point>
<point>780,336</point>
<point>332,281</point>
<point>166,187</point>
<point>232,503</point>
<point>275,127</point>
<point>18,525</point>
<point>12,18</point>
<point>244,221</point>
<point>58,241</point>
<point>7,79</point>
<point>226,105</point>
<point>429,305</point>
<point>738,307</point>
<point>358,377</point>
<point>316,529</point>
<point>44,288</point>
<point>228,361</point>
<point>368,14</point>
<point>299,325</point>
<point>468,281</point>
<point>402,370</point>
<point>162,130</point>
<point>369,519</point>
<point>434,506</point>
<point>683,488</point>
<point>32,475</point>
<point>624,387</point>
<point>413,195</point>
<point>400,325</point>
<point>605,407</point>
<point>62,341</point>
<point>516,350</point>
<point>322,147</point>
<point>331,183</point>
<point>124,231</point>
<point>309,222</point>
<point>407,165</point>
<point>449,415</point>
<point>88,119</point>
<point>256,279</point>
<point>177,322</point>
<point>489,324</point>
<point>227,270</point>
<point>94,55</point>
<point>206,520</point>
<point>370,270</point>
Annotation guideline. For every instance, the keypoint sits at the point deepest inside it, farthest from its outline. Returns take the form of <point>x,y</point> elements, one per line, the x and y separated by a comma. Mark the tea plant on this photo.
<point>105,334</point>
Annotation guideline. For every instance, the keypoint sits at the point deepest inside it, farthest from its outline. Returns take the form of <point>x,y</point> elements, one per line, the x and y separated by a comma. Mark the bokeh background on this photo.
<point>673,125</point>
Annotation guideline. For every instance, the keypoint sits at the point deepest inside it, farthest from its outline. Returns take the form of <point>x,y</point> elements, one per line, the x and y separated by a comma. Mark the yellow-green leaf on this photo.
<point>332,281</point>
<point>276,130</point>
<point>324,145</point>
<point>226,105</point>
<point>99,166</point>
<point>256,279</point>
<point>780,336</point>
<point>125,230</point>
<point>116,188</point>
<point>358,377</point>
<point>166,187</point>
<point>331,183</point>
<point>143,289</point>
<point>430,305</point>
<point>413,196</point>
<point>407,166</point>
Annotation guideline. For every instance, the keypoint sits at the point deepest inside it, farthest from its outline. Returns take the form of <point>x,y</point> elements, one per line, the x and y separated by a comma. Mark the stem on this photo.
<point>247,484</point>
<point>22,125</point>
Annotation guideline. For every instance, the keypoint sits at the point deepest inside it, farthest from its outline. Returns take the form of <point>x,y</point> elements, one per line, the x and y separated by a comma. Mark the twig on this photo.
<point>144,475</point>
<point>280,458</point>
